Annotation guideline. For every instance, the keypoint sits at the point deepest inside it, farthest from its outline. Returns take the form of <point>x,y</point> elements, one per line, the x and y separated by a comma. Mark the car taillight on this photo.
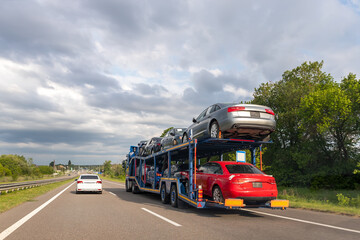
<point>272,181</point>
<point>239,181</point>
<point>98,182</point>
<point>269,111</point>
<point>158,144</point>
<point>234,109</point>
<point>79,182</point>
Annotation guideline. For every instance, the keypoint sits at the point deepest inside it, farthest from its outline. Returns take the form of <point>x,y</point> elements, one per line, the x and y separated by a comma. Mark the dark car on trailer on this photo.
<point>173,137</point>
<point>152,146</point>
<point>225,120</point>
<point>141,146</point>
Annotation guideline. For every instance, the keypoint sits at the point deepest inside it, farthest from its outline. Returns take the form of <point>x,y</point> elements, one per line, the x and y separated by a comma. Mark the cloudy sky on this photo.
<point>81,80</point>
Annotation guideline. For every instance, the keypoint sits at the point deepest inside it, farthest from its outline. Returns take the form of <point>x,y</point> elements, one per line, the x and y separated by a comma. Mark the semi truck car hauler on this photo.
<point>153,173</point>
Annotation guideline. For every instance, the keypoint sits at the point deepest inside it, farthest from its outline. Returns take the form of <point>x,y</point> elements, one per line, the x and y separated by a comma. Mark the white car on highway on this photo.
<point>89,183</point>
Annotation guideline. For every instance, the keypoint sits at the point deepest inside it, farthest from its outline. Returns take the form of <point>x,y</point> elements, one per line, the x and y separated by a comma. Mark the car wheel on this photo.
<point>175,142</point>
<point>134,188</point>
<point>214,130</point>
<point>173,196</point>
<point>77,192</point>
<point>217,195</point>
<point>128,185</point>
<point>165,197</point>
<point>185,138</point>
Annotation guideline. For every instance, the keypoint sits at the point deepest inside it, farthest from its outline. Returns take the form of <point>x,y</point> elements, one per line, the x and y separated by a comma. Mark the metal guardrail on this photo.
<point>24,185</point>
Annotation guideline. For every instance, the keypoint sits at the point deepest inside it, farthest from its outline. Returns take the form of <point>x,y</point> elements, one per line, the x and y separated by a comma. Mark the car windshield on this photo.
<point>179,130</point>
<point>89,177</point>
<point>157,140</point>
<point>237,168</point>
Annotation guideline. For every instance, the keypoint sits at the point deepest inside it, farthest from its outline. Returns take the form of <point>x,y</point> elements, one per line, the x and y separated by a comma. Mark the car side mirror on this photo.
<point>199,170</point>
<point>172,134</point>
<point>194,120</point>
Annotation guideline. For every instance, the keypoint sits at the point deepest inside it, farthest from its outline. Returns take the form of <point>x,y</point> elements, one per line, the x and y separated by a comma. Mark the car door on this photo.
<point>199,127</point>
<point>200,175</point>
<point>171,137</point>
<point>166,139</point>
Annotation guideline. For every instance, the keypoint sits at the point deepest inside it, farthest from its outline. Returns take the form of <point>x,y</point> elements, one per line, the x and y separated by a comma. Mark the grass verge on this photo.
<point>115,179</point>
<point>13,199</point>
<point>335,201</point>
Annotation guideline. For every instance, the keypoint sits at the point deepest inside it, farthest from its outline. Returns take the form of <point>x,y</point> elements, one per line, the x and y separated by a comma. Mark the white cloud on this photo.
<point>99,77</point>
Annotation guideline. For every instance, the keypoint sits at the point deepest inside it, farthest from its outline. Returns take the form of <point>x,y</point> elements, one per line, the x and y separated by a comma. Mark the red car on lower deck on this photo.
<point>222,180</point>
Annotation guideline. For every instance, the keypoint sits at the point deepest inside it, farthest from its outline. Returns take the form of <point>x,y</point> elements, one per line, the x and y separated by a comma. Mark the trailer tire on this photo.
<point>128,185</point>
<point>165,197</point>
<point>173,196</point>
<point>134,188</point>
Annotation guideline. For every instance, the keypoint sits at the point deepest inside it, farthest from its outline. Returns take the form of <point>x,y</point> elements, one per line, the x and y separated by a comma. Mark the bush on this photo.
<point>335,182</point>
<point>46,170</point>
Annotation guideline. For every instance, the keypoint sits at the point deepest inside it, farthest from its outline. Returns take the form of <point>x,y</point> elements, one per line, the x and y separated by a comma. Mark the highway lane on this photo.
<point>117,214</point>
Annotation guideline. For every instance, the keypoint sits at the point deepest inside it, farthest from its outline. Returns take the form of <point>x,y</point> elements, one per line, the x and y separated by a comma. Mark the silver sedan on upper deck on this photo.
<point>231,120</point>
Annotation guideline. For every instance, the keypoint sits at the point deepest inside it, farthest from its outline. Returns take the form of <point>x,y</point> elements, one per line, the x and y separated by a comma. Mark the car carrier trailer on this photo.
<point>153,173</point>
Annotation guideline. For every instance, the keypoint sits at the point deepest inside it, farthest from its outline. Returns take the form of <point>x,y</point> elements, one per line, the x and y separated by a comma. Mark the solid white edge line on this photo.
<point>163,218</point>
<point>16,225</point>
<point>304,221</point>
<point>112,193</point>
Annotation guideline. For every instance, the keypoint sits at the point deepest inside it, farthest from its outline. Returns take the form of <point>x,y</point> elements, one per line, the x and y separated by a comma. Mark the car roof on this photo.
<point>229,162</point>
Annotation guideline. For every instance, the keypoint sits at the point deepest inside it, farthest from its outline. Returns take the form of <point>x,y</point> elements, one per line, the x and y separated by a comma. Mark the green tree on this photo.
<point>107,168</point>
<point>309,106</point>
<point>166,131</point>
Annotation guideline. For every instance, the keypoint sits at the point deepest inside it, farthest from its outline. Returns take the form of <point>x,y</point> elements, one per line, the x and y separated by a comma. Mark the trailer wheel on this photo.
<point>134,188</point>
<point>165,197</point>
<point>128,186</point>
<point>214,130</point>
<point>173,196</point>
<point>217,195</point>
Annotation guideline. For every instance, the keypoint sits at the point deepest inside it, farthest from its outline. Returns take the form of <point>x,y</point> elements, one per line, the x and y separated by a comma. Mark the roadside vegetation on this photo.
<point>13,199</point>
<point>17,168</point>
<point>113,171</point>
<point>335,201</point>
<point>316,142</point>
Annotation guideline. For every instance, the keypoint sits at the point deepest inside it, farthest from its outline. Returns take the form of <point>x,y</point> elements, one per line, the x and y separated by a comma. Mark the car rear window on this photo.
<point>89,177</point>
<point>237,168</point>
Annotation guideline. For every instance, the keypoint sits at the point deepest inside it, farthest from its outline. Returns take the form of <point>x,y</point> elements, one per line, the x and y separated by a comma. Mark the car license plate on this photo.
<point>255,114</point>
<point>257,185</point>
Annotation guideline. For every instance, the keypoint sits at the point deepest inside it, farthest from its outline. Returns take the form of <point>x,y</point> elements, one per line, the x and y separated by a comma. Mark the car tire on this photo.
<point>185,138</point>
<point>100,192</point>
<point>173,196</point>
<point>77,192</point>
<point>165,197</point>
<point>217,195</point>
<point>128,185</point>
<point>214,130</point>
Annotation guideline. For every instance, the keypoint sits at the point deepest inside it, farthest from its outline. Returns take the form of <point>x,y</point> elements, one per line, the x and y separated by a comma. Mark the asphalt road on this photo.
<point>117,214</point>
